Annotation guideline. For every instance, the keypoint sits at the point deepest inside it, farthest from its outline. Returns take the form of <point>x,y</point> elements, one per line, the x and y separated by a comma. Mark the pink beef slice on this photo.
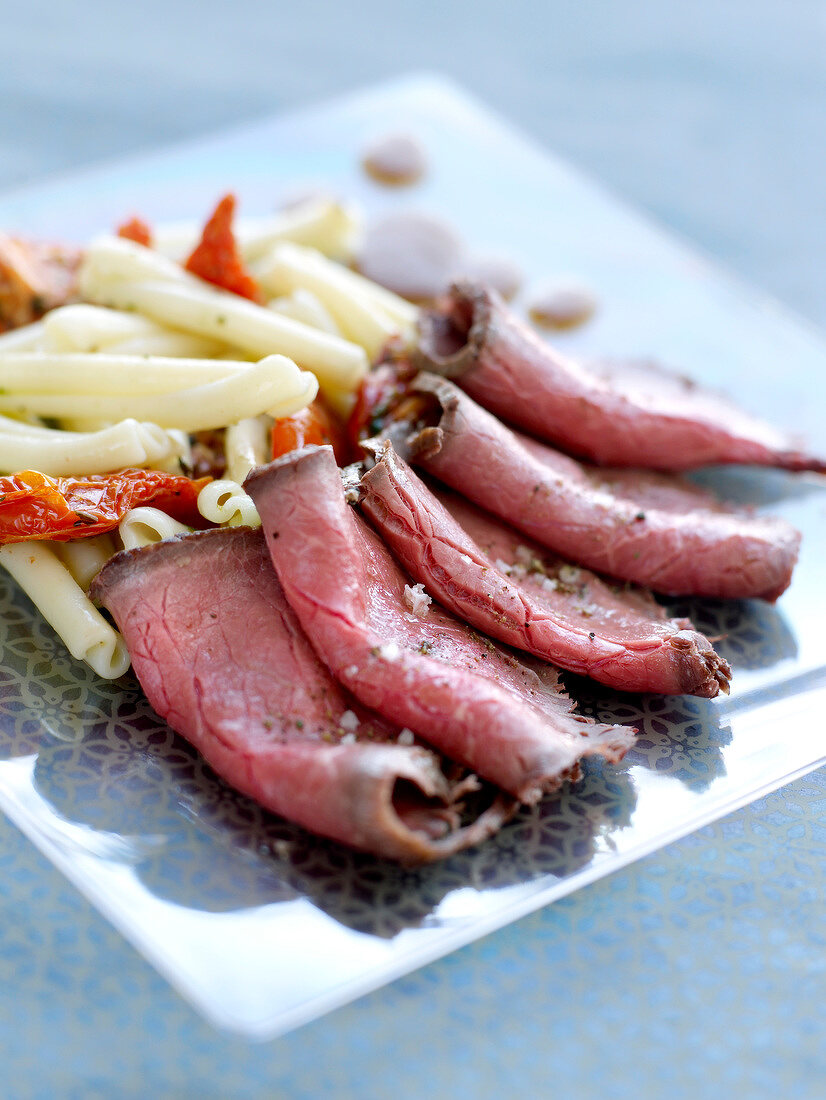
<point>223,660</point>
<point>655,530</point>
<point>622,413</point>
<point>506,719</point>
<point>513,589</point>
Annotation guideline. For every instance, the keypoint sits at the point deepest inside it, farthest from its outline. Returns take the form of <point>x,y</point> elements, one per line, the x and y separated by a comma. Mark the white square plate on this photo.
<point>261,927</point>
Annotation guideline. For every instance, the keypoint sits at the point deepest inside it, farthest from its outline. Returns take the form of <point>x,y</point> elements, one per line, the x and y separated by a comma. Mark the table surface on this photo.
<point>696,972</point>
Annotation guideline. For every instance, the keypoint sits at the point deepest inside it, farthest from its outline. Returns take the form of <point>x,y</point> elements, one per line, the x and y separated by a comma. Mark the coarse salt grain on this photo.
<point>348,739</point>
<point>406,737</point>
<point>349,721</point>
<point>416,599</point>
<point>389,652</point>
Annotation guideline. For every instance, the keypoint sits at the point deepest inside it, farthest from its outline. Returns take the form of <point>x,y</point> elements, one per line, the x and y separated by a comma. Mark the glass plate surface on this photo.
<point>259,925</point>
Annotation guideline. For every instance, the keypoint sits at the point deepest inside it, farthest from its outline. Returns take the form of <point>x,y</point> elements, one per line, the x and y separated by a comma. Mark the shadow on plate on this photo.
<point>680,736</point>
<point>756,486</point>
<point>684,736</point>
<point>202,845</point>
<point>751,634</point>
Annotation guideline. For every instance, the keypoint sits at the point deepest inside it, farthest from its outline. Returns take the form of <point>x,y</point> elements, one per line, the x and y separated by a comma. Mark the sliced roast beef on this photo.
<point>655,530</point>
<point>513,589</point>
<point>506,719</point>
<point>621,414</point>
<point>223,660</point>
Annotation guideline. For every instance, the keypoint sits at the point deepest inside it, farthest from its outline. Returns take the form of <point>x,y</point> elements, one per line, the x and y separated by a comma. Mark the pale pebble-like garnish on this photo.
<point>411,253</point>
<point>563,306</point>
<point>497,272</point>
<point>395,159</point>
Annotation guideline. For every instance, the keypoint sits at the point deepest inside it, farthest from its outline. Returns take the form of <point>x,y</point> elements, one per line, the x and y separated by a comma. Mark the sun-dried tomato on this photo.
<point>135,229</point>
<point>217,259</point>
<point>380,389</point>
<point>34,506</point>
<point>314,424</point>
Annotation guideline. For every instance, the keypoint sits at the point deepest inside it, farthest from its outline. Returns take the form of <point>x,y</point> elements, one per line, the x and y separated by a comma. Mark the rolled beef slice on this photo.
<point>621,414</point>
<point>506,719</point>
<point>223,660</point>
<point>655,530</point>
<point>516,591</point>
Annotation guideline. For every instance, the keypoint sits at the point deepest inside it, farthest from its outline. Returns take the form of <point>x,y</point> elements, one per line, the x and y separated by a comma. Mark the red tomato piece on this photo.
<point>135,229</point>
<point>315,425</point>
<point>35,506</point>
<point>217,259</point>
<point>379,390</point>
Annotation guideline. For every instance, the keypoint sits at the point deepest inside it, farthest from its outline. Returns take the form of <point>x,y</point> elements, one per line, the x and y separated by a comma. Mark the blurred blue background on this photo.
<point>710,115</point>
